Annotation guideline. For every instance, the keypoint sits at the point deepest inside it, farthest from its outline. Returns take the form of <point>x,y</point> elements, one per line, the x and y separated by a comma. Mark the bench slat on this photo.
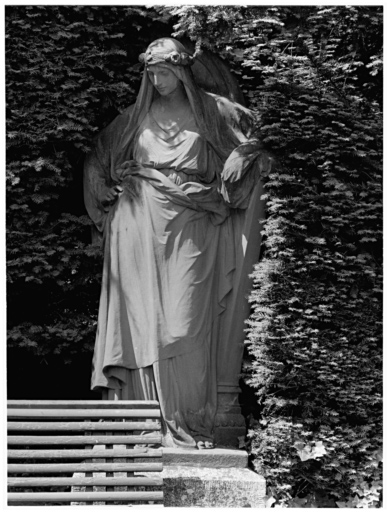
<point>86,440</point>
<point>85,496</point>
<point>67,417</point>
<point>33,426</point>
<point>81,413</point>
<point>97,480</point>
<point>83,404</point>
<point>84,467</point>
<point>85,454</point>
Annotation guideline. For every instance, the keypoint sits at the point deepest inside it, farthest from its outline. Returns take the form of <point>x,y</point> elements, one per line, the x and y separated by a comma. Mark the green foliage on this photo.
<point>314,76</point>
<point>69,71</point>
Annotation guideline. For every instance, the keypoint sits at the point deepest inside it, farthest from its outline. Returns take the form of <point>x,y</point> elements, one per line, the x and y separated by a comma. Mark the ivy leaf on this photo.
<point>307,452</point>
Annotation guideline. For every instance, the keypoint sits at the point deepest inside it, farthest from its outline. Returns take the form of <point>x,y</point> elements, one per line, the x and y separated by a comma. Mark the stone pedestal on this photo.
<point>210,478</point>
<point>230,327</point>
<point>229,422</point>
<point>210,487</point>
<point>216,458</point>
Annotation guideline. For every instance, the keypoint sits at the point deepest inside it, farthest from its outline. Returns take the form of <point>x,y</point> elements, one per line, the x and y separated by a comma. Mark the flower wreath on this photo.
<point>174,57</point>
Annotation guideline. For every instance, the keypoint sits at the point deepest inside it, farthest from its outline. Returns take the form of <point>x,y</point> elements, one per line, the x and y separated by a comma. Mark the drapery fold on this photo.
<point>167,267</point>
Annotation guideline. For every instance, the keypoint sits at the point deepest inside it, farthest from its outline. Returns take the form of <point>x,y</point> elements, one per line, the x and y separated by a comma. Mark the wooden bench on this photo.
<point>81,451</point>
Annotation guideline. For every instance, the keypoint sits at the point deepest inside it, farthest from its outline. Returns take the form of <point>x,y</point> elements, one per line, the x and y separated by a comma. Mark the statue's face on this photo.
<point>164,80</point>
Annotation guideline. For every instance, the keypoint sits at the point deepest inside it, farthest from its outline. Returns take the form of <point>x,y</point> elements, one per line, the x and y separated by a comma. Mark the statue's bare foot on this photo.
<point>205,445</point>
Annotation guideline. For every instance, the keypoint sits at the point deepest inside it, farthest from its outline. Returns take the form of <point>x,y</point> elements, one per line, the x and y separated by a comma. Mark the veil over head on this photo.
<point>217,118</point>
<point>224,124</point>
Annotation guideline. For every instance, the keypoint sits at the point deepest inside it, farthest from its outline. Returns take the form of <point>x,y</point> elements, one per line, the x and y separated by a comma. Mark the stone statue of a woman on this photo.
<point>170,184</point>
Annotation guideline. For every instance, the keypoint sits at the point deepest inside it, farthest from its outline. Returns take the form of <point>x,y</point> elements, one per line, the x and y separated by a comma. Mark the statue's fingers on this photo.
<point>129,164</point>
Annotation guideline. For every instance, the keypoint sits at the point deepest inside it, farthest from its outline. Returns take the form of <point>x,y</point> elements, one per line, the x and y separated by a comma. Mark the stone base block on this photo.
<point>210,487</point>
<point>216,458</point>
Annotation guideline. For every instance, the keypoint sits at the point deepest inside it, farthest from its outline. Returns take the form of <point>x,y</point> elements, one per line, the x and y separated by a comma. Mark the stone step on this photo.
<point>186,486</point>
<point>215,458</point>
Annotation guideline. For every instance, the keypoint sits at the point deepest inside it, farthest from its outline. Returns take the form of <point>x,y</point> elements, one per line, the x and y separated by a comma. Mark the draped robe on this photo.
<point>169,266</point>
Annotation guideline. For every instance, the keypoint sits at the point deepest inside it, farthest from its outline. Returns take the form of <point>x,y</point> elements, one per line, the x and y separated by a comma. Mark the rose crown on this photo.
<point>174,57</point>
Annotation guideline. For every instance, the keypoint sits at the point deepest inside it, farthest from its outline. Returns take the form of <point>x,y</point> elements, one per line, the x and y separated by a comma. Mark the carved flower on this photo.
<point>145,57</point>
<point>175,58</point>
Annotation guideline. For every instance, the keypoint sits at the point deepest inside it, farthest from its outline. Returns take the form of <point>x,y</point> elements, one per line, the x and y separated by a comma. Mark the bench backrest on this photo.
<point>82,451</point>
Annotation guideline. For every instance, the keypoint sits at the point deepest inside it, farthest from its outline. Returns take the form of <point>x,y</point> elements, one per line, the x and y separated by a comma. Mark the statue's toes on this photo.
<point>201,445</point>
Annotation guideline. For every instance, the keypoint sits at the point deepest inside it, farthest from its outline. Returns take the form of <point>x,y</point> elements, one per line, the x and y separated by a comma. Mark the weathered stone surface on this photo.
<point>216,458</point>
<point>210,487</point>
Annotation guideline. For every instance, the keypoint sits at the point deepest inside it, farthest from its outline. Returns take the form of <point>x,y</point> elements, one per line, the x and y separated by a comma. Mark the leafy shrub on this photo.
<point>315,332</point>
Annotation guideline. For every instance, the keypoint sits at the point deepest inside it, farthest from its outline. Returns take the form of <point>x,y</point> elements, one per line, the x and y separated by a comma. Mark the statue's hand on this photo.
<point>127,175</point>
<point>128,168</point>
<point>112,195</point>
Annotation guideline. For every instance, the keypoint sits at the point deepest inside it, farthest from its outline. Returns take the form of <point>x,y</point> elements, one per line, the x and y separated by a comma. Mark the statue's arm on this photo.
<point>100,190</point>
<point>97,179</point>
<point>249,161</point>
